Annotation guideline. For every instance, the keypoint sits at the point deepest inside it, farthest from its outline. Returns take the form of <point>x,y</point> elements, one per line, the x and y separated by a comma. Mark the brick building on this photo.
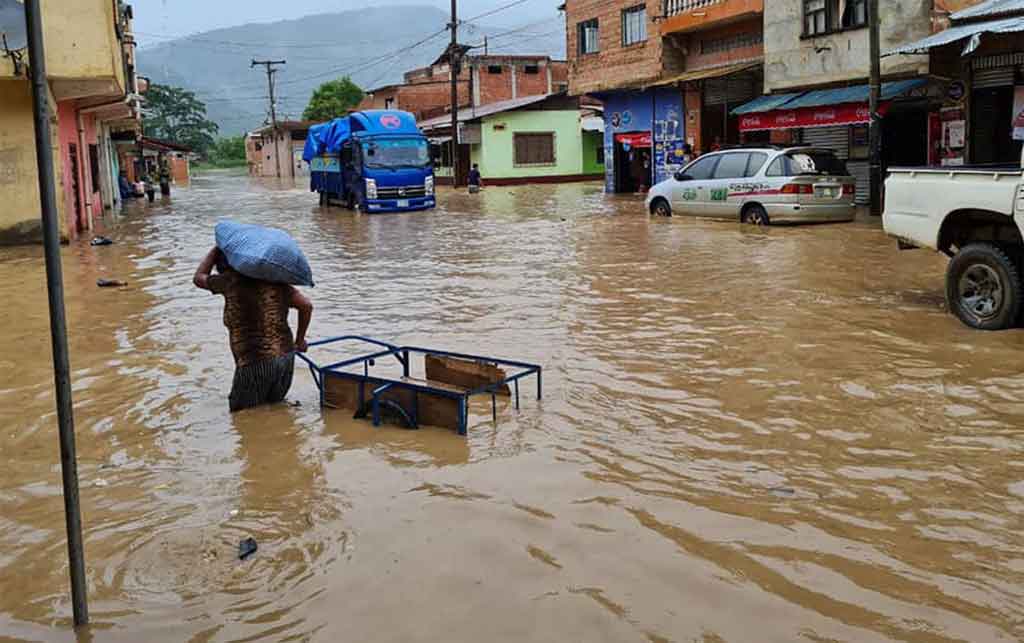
<point>482,79</point>
<point>668,72</point>
<point>265,148</point>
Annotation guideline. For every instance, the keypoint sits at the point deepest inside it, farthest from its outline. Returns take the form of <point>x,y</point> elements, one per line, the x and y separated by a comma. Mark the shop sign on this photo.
<point>634,139</point>
<point>827,116</point>
<point>957,90</point>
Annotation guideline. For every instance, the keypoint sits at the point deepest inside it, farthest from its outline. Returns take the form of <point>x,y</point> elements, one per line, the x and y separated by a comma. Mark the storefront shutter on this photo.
<point>861,171</point>
<point>999,77</point>
<point>733,90</point>
<point>836,139</point>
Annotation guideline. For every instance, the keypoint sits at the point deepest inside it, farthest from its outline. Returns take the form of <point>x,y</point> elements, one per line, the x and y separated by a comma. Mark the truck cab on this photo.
<point>374,160</point>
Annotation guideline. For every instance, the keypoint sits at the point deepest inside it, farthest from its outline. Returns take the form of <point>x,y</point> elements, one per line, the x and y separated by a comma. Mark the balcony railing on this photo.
<point>676,7</point>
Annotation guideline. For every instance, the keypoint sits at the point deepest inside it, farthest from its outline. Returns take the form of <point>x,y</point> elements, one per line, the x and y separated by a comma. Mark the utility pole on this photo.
<point>454,64</point>
<point>58,320</point>
<point>269,64</point>
<point>874,98</point>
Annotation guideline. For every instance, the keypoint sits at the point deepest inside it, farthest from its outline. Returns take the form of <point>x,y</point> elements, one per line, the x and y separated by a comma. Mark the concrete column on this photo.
<point>547,68</point>
<point>515,93</point>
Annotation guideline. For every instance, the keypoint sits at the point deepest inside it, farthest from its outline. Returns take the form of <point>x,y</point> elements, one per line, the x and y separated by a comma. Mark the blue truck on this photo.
<point>374,160</point>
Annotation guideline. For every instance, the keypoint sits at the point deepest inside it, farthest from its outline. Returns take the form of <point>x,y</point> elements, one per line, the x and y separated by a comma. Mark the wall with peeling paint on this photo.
<point>792,61</point>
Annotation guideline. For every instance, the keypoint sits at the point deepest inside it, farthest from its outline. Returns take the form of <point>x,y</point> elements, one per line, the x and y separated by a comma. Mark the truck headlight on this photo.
<point>371,189</point>
<point>428,186</point>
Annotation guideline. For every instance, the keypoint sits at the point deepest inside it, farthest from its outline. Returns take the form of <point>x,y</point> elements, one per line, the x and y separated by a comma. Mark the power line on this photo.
<point>496,10</point>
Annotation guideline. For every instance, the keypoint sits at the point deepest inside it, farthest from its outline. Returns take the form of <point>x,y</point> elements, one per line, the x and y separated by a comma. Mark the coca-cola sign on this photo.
<point>844,114</point>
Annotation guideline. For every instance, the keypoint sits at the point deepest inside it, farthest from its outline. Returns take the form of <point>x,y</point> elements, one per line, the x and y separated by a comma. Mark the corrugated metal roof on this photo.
<point>822,97</point>
<point>466,115</point>
<point>857,94</point>
<point>959,32</point>
<point>714,72</point>
<point>990,8</point>
<point>765,103</point>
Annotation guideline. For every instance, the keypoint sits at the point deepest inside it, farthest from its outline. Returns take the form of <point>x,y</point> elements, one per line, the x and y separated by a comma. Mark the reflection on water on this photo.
<point>746,435</point>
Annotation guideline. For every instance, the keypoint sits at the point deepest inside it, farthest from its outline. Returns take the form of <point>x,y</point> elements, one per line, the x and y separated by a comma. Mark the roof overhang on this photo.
<point>971,32</point>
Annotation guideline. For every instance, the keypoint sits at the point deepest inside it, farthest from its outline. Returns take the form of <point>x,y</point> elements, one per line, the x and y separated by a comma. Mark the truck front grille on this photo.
<point>403,192</point>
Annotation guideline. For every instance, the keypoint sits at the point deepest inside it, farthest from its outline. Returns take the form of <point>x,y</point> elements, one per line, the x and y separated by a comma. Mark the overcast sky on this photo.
<point>182,17</point>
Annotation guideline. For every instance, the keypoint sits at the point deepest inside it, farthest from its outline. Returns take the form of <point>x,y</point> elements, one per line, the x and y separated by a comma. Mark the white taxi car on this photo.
<point>760,185</point>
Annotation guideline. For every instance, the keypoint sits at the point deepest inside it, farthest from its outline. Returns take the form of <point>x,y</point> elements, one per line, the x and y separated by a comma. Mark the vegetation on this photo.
<point>333,99</point>
<point>226,152</point>
<point>175,114</point>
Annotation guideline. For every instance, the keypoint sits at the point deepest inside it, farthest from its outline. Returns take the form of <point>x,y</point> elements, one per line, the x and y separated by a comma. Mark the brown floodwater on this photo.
<point>746,435</point>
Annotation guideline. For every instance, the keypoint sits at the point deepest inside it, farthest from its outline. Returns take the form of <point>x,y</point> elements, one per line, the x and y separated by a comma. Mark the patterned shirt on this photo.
<point>256,316</point>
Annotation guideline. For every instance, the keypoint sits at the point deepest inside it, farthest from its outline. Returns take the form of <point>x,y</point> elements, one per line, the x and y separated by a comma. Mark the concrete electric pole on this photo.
<point>454,65</point>
<point>269,65</point>
<point>874,98</point>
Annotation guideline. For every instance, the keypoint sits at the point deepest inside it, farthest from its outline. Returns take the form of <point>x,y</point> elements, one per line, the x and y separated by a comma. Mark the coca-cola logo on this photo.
<point>825,115</point>
<point>751,121</point>
<point>786,118</point>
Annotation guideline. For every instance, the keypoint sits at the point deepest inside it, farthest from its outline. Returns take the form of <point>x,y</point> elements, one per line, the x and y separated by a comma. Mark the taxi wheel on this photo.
<point>755,215</point>
<point>661,208</point>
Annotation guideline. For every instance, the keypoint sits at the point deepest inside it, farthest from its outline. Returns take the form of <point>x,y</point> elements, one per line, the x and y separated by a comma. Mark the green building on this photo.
<point>535,139</point>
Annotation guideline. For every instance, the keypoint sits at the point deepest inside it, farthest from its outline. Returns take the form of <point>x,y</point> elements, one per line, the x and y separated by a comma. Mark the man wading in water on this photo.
<point>256,315</point>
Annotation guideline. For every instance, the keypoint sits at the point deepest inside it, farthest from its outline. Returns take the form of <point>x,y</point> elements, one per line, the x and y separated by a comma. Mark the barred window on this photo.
<point>587,37</point>
<point>534,149</point>
<point>634,25</point>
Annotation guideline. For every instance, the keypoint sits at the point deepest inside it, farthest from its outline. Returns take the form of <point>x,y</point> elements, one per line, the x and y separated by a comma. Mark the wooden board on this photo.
<point>342,392</point>
<point>465,373</point>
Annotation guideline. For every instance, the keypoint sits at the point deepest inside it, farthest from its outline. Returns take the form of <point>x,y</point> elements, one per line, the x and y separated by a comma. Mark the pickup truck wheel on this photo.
<point>983,287</point>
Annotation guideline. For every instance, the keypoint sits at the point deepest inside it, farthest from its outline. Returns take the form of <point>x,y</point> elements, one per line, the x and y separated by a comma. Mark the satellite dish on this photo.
<point>12,24</point>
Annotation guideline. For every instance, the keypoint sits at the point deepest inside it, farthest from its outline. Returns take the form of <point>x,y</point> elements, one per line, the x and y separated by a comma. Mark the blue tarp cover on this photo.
<point>327,138</point>
<point>314,142</point>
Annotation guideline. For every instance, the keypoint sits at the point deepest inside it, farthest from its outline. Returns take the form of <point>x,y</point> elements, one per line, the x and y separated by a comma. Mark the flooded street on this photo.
<point>746,435</point>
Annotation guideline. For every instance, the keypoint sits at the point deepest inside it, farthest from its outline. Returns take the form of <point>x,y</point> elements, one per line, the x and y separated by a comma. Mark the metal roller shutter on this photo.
<point>987,78</point>
<point>836,139</point>
<point>861,171</point>
<point>732,90</point>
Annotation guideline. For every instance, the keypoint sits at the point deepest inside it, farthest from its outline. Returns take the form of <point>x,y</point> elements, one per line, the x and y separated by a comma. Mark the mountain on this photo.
<point>374,46</point>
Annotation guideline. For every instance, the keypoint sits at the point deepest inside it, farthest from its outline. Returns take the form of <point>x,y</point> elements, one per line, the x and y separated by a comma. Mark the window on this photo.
<point>389,103</point>
<point>634,25</point>
<point>493,69</point>
<point>732,166</point>
<point>808,163</point>
<point>826,16</point>
<point>587,37</point>
<point>94,166</point>
<point>816,17</point>
<point>702,168</point>
<point>756,162</point>
<point>531,69</point>
<point>534,149</point>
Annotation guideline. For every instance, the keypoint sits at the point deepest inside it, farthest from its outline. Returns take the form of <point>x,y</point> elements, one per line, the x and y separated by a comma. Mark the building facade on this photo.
<point>482,79</point>
<point>266,147</point>
<point>93,94</point>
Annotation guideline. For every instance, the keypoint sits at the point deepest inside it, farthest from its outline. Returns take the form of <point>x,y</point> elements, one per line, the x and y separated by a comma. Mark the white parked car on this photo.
<point>760,185</point>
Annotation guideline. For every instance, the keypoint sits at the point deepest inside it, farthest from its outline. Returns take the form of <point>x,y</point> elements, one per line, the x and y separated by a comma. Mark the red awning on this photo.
<point>634,139</point>
<point>824,116</point>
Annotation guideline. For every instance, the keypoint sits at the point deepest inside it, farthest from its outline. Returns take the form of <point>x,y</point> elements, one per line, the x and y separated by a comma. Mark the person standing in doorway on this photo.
<point>256,316</point>
<point>475,180</point>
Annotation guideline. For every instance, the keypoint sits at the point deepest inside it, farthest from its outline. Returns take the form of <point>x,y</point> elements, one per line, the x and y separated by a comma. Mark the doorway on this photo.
<point>992,124</point>
<point>632,168</point>
<point>75,185</point>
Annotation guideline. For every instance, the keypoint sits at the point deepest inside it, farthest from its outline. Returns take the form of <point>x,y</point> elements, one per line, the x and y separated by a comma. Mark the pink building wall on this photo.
<point>67,128</point>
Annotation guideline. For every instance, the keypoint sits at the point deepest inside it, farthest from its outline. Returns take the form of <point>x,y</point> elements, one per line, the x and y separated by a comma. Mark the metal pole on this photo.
<point>453,65</point>
<point>875,91</point>
<point>58,322</point>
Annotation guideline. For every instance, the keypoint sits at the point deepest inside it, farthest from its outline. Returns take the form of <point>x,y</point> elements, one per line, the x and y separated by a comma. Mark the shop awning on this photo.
<point>592,124</point>
<point>634,139</point>
<point>819,108</point>
<point>972,31</point>
<point>702,74</point>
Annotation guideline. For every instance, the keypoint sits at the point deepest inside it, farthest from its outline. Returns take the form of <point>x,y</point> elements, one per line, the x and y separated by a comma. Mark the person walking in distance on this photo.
<point>475,180</point>
<point>256,316</point>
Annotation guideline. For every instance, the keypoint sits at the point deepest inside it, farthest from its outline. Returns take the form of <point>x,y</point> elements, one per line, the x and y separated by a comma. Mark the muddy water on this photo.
<point>746,435</point>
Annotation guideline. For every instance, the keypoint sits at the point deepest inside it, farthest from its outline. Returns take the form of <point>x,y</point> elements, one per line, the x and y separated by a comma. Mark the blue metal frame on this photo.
<point>403,355</point>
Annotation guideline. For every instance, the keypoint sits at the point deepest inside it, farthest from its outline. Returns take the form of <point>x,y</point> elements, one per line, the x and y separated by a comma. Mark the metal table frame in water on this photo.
<point>442,399</point>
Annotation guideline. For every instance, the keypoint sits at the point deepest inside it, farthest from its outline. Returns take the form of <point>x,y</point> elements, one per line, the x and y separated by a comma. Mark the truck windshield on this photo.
<point>396,152</point>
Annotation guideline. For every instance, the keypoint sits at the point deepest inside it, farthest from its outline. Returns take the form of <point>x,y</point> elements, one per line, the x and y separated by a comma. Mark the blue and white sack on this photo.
<point>263,253</point>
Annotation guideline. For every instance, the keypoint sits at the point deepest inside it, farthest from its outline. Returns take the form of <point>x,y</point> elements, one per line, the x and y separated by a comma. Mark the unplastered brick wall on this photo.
<point>613,65</point>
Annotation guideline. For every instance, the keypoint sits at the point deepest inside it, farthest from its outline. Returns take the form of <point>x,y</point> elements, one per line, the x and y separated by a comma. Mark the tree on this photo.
<point>333,99</point>
<point>228,152</point>
<point>175,114</point>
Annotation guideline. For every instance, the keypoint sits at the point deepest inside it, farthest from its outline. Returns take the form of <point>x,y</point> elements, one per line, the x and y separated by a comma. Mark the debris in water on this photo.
<point>111,283</point>
<point>782,492</point>
<point>100,482</point>
<point>246,548</point>
<point>101,241</point>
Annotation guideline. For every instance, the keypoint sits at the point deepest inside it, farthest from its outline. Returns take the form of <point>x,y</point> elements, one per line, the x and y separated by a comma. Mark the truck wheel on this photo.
<point>983,287</point>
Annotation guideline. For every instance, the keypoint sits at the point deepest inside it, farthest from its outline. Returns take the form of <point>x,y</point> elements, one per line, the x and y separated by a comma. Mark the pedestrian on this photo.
<point>165,176</point>
<point>150,190</point>
<point>475,180</point>
<point>256,316</point>
<point>124,187</point>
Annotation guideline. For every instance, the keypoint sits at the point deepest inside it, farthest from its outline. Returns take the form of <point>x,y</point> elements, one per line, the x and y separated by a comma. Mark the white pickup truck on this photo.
<point>976,216</point>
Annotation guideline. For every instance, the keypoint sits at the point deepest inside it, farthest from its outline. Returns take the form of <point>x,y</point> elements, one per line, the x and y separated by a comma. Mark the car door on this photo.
<point>730,172</point>
<point>691,195</point>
